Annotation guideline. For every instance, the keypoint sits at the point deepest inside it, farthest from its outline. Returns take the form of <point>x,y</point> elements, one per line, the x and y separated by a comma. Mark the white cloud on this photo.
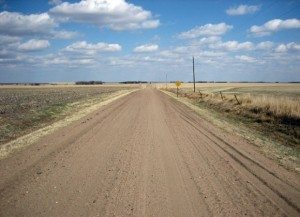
<point>91,49</point>
<point>245,58</point>
<point>205,41</point>
<point>265,45</point>
<point>5,39</point>
<point>242,10</point>
<point>122,62</point>
<point>282,48</point>
<point>7,54</point>
<point>168,54</point>
<point>209,40</point>
<point>145,60</point>
<point>12,23</point>
<point>113,14</point>
<point>17,24</point>
<point>146,48</point>
<point>55,2</point>
<point>216,43</point>
<point>34,45</point>
<point>206,30</point>
<point>64,34</point>
<point>274,26</point>
<point>233,46</point>
<point>60,59</point>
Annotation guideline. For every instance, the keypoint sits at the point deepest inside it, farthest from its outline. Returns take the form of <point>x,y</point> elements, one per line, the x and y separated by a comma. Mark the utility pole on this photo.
<point>194,74</point>
<point>166,80</point>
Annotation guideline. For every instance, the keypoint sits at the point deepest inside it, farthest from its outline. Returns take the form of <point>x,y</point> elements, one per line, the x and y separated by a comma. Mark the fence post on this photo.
<point>200,94</point>
<point>236,99</point>
<point>221,95</point>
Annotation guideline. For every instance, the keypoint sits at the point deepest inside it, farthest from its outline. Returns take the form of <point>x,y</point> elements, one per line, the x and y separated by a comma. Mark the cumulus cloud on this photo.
<point>245,58</point>
<point>34,45</point>
<point>54,2</point>
<point>42,25</point>
<point>204,41</point>
<point>215,42</point>
<point>274,26</point>
<point>65,60</point>
<point>146,48</point>
<point>113,14</point>
<point>64,34</point>
<point>91,49</point>
<point>12,23</point>
<point>206,30</point>
<point>6,40</point>
<point>282,48</point>
<point>265,45</point>
<point>232,46</point>
<point>242,10</point>
<point>218,44</point>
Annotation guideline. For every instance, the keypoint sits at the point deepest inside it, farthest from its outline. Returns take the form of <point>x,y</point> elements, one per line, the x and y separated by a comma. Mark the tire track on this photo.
<point>145,155</point>
<point>280,189</point>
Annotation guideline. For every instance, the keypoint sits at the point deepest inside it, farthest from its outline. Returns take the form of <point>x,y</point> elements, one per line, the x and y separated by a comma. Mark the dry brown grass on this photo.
<point>278,106</point>
<point>272,109</point>
<point>281,100</point>
<point>281,106</point>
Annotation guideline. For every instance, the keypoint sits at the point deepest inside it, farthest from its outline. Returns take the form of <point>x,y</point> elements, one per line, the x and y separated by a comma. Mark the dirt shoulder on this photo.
<point>287,156</point>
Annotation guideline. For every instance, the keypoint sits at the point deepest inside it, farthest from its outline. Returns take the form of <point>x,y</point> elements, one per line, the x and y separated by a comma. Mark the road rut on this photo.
<point>145,155</point>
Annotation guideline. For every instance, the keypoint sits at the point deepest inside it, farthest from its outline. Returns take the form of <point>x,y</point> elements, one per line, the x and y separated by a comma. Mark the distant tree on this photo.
<point>88,82</point>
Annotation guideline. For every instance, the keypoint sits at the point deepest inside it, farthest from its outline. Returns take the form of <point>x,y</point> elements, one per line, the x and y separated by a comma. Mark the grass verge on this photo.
<point>286,155</point>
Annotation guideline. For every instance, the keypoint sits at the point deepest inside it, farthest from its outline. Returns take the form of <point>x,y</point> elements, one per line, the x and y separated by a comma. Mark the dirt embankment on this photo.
<point>145,155</point>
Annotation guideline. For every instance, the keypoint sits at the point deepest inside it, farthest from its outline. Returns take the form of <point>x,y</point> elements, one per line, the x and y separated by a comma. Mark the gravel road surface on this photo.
<point>145,155</point>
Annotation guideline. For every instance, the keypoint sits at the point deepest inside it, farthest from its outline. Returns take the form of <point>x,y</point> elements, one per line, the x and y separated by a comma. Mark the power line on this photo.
<point>287,12</point>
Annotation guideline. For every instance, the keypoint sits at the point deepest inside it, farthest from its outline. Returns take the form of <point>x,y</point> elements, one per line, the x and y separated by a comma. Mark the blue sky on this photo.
<point>117,40</point>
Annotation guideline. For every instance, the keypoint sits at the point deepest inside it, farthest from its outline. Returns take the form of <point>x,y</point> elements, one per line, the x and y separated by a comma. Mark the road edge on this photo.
<point>268,148</point>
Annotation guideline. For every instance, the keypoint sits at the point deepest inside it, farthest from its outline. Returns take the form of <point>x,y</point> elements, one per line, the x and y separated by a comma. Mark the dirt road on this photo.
<point>145,155</point>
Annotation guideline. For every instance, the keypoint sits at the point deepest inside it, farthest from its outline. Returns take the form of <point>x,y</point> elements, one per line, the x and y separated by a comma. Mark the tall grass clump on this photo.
<point>279,106</point>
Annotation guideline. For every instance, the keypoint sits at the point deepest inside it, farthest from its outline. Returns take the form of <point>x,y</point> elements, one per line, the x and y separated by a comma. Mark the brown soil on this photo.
<point>145,155</point>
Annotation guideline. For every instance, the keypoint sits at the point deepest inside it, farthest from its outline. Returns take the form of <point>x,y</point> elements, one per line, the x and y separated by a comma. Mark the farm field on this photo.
<point>26,108</point>
<point>274,89</point>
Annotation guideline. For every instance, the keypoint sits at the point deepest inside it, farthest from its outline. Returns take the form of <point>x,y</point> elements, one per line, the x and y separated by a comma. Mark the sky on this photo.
<point>120,40</point>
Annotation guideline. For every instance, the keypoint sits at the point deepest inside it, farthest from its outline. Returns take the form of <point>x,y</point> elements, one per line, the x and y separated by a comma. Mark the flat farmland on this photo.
<point>25,108</point>
<point>273,89</point>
